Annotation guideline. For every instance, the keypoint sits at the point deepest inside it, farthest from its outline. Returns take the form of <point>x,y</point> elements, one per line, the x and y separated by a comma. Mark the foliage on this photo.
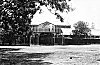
<point>81,28</point>
<point>16,15</point>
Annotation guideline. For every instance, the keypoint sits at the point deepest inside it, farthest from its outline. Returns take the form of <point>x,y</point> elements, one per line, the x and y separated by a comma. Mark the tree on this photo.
<point>81,28</point>
<point>16,15</point>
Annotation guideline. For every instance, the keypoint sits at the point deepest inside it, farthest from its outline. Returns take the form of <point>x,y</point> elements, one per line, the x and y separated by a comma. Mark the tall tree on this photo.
<point>16,15</point>
<point>81,28</point>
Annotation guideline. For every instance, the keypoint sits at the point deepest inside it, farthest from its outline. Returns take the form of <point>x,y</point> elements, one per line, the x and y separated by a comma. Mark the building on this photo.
<point>46,28</point>
<point>47,33</point>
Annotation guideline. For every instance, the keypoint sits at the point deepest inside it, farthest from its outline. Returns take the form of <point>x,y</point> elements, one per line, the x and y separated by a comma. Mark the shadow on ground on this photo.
<point>21,58</point>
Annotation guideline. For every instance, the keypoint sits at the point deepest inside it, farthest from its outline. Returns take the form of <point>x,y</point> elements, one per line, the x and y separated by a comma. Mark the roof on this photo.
<point>60,25</point>
<point>53,22</point>
<point>47,27</point>
<point>95,31</point>
<point>66,31</point>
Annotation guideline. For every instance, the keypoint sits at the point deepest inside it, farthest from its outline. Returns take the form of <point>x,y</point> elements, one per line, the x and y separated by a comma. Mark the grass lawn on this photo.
<point>50,55</point>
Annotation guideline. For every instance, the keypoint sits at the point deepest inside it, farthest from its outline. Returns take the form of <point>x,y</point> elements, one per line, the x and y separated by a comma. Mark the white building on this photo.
<point>47,23</point>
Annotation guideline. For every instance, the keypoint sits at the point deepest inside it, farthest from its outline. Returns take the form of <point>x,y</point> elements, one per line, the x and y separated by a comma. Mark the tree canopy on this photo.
<point>16,15</point>
<point>81,28</point>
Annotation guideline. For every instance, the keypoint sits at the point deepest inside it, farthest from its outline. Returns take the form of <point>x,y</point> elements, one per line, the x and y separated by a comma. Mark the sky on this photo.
<point>85,10</point>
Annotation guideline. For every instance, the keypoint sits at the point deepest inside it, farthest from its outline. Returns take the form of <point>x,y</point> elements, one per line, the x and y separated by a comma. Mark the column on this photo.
<point>38,35</point>
<point>54,34</point>
<point>62,39</point>
<point>30,39</point>
<point>54,38</point>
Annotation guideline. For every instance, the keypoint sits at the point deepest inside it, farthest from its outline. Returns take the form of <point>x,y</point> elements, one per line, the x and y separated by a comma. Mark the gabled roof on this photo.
<point>57,24</point>
<point>46,23</point>
<point>47,27</point>
<point>53,22</point>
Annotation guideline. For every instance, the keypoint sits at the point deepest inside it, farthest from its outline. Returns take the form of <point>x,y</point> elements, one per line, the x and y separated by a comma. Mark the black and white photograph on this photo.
<point>49,32</point>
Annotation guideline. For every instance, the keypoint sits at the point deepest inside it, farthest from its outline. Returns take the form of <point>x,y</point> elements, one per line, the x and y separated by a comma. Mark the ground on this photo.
<point>50,55</point>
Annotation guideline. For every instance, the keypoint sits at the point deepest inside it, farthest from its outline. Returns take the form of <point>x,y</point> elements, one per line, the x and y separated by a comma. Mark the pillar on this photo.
<point>54,38</point>
<point>62,39</point>
<point>30,39</point>
<point>54,34</point>
<point>38,35</point>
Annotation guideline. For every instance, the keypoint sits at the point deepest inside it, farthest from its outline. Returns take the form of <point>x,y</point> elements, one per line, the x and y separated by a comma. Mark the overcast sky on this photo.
<point>85,10</point>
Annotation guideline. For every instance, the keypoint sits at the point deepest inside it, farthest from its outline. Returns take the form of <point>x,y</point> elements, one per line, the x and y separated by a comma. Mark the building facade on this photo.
<point>46,33</point>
